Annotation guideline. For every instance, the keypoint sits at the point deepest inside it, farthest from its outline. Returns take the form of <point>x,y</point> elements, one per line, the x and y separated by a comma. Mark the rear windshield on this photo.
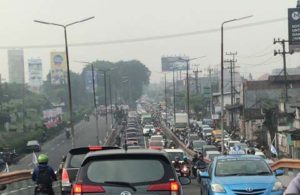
<point>156,144</point>
<point>198,144</point>
<point>130,135</point>
<point>76,160</point>
<point>173,155</point>
<point>135,171</point>
<point>233,167</point>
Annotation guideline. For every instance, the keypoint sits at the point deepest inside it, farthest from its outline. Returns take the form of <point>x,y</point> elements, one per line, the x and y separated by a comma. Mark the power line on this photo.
<point>152,38</point>
<point>263,62</point>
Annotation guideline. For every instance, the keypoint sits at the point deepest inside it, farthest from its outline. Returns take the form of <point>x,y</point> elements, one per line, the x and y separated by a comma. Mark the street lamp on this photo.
<point>105,96</point>
<point>188,84</point>
<point>68,67</point>
<point>222,75</point>
<point>95,102</point>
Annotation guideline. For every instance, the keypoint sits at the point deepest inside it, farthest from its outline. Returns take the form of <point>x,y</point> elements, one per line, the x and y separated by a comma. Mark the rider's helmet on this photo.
<point>252,151</point>
<point>177,159</point>
<point>42,159</point>
<point>185,159</point>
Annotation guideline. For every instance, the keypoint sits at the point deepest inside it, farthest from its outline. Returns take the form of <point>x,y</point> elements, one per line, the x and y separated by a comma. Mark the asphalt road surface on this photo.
<point>85,134</point>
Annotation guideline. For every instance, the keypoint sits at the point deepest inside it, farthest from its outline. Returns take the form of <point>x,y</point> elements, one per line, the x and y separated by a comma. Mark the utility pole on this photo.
<point>95,104</point>
<point>188,92</point>
<point>283,53</point>
<point>110,101</point>
<point>232,88</point>
<point>166,104</point>
<point>174,94</point>
<point>211,91</point>
<point>197,78</point>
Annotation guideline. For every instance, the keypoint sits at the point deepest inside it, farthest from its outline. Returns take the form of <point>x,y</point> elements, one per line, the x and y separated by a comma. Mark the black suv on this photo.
<point>136,172</point>
<point>71,164</point>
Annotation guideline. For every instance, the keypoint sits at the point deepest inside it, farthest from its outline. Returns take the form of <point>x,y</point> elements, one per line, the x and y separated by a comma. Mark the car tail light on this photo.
<point>65,181</point>
<point>172,186</point>
<point>95,148</point>
<point>79,189</point>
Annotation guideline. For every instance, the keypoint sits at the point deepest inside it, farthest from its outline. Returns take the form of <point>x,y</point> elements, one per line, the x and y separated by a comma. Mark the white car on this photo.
<point>147,129</point>
<point>173,153</point>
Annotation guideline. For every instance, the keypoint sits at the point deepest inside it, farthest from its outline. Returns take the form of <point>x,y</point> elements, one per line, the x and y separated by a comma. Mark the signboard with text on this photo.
<point>170,63</point>
<point>58,68</point>
<point>294,29</point>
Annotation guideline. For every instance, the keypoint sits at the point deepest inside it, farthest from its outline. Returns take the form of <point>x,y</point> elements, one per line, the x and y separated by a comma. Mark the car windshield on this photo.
<point>149,127</point>
<point>158,138</point>
<point>240,167</point>
<point>173,155</point>
<point>136,171</point>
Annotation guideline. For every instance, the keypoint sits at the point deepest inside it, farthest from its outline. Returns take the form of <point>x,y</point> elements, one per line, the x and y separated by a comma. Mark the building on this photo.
<point>35,74</point>
<point>16,66</point>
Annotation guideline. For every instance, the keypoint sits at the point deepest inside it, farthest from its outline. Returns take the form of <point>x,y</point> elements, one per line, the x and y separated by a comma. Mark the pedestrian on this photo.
<point>294,186</point>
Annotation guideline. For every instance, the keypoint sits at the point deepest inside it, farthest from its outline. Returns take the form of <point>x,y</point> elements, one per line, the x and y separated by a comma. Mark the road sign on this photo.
<point>294,29</point>
<point>207,91</point>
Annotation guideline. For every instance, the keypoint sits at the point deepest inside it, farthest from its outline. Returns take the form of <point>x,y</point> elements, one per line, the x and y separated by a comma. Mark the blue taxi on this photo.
<point>240,174</point>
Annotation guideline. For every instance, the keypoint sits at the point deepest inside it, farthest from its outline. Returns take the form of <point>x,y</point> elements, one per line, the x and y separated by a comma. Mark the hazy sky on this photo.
<point>129,19</point>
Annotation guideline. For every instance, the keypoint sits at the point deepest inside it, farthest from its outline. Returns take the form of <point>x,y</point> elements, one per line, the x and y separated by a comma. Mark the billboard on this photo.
<point>52,117</point>
<point>58,68</point>
<point>89,80</point>
<point>35,74</point>
<point>294,29</point>
<point>169,63</point>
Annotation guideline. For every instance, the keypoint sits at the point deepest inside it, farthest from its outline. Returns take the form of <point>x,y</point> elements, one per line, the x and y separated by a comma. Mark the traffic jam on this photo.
<point>148,160</point>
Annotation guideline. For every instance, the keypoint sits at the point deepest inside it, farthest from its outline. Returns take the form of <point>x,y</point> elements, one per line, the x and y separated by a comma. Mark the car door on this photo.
<point>205,182</point>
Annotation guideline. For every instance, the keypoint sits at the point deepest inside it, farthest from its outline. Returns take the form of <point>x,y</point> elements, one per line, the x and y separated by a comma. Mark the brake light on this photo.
<point>172,186</point>
<point>65,181</point>
<point>92,148</point>
<point>78,189</point>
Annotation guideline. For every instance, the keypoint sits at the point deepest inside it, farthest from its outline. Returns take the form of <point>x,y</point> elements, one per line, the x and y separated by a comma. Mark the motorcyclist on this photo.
<point>176,163</point>
<point>200,163</point>
<point>195,159</point>
<point>43,175</point>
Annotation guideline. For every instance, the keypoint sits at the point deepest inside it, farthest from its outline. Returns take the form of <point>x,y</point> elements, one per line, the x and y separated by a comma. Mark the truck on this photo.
<point>181,121</point>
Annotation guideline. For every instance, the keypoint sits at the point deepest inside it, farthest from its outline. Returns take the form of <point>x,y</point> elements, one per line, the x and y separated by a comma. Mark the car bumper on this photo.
<point>265,193</point>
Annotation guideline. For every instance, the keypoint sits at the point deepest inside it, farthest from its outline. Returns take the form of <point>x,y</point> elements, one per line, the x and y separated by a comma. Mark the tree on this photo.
<point>199,105</point>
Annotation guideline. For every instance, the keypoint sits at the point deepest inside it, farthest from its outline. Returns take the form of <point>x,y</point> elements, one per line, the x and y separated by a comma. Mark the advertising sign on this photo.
<point>170,63</point>
<point>52,117</point>
<point>89,80</point>
<point>35,74</point>
<point>58,68</point>
<point>294,29</point>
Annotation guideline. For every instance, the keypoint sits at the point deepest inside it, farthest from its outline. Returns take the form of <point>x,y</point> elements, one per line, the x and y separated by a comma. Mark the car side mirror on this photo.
<point>204,175</point>
<point>279,172</point>
<point>184,180</point>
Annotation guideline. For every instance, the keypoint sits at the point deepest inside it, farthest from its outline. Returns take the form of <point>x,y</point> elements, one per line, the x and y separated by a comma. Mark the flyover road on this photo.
<point>85,134</point>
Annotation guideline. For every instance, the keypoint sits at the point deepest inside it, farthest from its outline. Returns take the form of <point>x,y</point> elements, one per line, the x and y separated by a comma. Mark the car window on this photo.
<point>156,143</point>
<point>136,171</point>
<point>76,160</point>
<point>172,155</point>
<point>241,167</point>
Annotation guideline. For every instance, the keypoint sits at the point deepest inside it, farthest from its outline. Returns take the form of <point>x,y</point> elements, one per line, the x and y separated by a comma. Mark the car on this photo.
<point>132,130</point>
<point>173,153</point>
<point>232,143</point>
<point>132,141</point>
<point>33,146</point>
<point>206,132</point>
<point>156,145</point>
<point>158,138</point>
<point>71,163</point>
<point>210,155</point>
<point>193,136</point>
<point>198,145</point>
<point>131,135</point>
<point>240,174</point>
<point>208,148</point>
<point>131,147</point>
<point>147,129</point>
<point>128,172</point>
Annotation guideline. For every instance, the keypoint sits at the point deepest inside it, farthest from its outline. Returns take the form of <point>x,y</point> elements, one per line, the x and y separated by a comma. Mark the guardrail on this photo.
<point>286,163</point>
<point>171,135</point>
<point>11,177</point>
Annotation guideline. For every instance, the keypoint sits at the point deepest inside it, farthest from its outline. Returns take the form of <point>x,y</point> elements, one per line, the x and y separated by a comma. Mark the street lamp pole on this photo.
<point>222,75</point>
<point>95,101</point>
<point>68,68</point>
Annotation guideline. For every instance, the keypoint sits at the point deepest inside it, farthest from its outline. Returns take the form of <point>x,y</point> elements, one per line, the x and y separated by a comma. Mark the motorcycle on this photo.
<point>67,132</point>
<point>185,171</point>
<point>199,170</point>
<point>42,190</point>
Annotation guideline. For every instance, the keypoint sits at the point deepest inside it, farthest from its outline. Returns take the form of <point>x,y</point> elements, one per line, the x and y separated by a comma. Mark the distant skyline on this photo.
<point>134,19</point>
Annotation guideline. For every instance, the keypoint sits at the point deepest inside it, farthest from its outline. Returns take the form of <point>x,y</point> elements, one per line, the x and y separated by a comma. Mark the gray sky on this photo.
<point>127,19</point>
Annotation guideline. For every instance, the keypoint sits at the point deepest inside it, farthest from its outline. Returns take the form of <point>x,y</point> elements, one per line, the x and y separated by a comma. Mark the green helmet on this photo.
<point>43,158</point>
